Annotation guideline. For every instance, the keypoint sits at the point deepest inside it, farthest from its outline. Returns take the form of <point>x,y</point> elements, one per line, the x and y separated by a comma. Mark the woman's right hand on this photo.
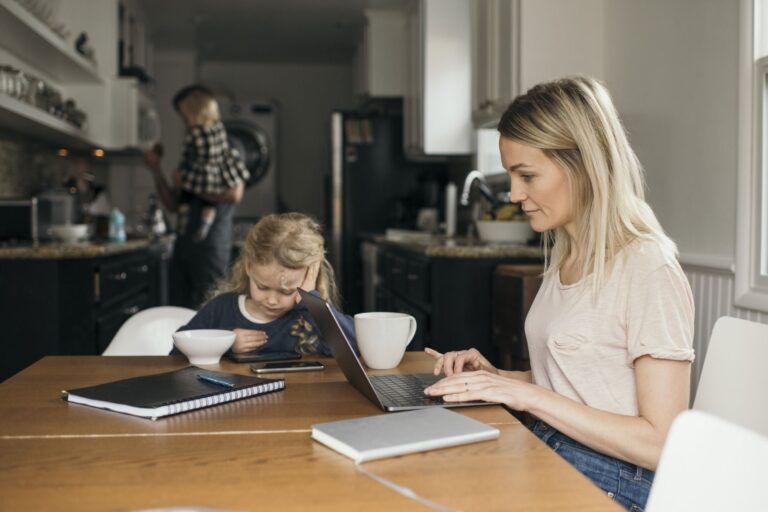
<point>247,340</point>
<point>460,361</point>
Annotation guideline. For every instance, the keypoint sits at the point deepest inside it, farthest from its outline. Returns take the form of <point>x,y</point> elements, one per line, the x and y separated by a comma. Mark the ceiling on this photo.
<point>305,31</point>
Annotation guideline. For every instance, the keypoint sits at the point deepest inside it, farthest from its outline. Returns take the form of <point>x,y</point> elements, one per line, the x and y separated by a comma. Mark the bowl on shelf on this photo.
<point>69,233</point>
<point>203,346</point>
<point>504,231</point>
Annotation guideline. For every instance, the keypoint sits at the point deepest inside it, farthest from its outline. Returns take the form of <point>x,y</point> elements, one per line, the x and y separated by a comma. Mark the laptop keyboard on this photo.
<point>405,390</point>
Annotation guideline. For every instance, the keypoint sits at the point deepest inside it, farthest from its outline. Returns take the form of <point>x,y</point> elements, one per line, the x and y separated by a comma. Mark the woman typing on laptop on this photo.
<point>610,331</point>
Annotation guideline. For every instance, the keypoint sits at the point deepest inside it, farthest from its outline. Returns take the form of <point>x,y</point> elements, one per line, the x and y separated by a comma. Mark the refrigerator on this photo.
<point>372,187</point>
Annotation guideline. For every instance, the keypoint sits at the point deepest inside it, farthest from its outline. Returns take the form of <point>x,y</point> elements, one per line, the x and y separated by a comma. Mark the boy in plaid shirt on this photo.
<point>208,165</point>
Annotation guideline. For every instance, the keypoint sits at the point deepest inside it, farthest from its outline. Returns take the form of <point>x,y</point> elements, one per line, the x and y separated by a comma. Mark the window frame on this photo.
<point>751,275</point>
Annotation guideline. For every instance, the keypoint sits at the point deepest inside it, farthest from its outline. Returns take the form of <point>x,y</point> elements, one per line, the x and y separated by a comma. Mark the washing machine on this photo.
<point>252,131</point>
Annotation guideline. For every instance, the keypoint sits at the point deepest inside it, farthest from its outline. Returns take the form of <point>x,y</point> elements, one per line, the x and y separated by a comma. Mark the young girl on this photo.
<point>260,301</point>
<point>208,166</point>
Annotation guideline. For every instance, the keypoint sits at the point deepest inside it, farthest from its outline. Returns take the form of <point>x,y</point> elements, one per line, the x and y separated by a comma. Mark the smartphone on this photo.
<point>289,366</point>
<point>257,357</point>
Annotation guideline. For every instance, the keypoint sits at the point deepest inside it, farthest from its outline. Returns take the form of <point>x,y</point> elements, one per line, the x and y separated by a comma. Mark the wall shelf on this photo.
<point>26,119</point>
<point>32,41</point>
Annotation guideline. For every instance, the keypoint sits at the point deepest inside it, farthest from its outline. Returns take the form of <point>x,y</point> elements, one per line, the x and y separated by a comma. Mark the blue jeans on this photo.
<point>626,483</point>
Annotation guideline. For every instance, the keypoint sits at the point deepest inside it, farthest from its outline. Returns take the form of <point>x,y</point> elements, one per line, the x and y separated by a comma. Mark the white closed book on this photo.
<point>388,435</point>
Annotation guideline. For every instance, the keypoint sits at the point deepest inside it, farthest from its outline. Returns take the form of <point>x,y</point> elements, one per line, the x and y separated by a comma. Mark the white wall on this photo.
<point>305,96</point>
<point>672,68</point>
<point>560,38</point>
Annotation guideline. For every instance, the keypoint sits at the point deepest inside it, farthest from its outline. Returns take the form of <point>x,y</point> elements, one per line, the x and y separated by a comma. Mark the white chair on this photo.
<point>149,332</point>
<point>709,464</point>
<point>733,383</point>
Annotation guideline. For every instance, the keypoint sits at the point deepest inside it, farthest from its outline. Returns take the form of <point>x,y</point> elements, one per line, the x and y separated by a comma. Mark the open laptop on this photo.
<point>398,392</point>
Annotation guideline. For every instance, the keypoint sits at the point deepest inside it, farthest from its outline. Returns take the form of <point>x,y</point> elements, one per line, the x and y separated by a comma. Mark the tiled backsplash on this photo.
<point>27,168</point>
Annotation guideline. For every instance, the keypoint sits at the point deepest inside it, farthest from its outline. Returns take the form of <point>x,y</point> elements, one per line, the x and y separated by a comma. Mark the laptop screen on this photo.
<point>340,346</point>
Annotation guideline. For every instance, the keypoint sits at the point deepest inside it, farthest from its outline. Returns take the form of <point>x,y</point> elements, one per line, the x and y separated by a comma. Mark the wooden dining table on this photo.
<point>254,454</point>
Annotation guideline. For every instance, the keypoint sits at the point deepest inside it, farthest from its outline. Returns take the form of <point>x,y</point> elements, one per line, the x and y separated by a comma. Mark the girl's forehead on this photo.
<point>275,275</point>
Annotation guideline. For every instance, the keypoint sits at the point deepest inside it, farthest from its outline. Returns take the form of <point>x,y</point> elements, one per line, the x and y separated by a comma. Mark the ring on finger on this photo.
<point>466,387</point>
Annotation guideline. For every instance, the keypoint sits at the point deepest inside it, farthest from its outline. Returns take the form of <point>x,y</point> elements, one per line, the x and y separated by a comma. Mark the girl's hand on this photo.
<point>310,279</point>
<point>451,363</point>
<point>485,386</point>
<point>247,340</point>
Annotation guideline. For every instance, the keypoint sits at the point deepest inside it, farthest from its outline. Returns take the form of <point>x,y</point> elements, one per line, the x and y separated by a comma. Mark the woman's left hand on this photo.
<point>485,386</point>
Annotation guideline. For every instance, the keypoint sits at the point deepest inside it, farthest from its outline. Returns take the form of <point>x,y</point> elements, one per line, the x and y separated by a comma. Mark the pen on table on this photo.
<point>214,380</point>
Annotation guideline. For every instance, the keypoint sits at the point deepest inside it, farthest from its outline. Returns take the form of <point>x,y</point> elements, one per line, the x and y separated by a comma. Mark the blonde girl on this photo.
<point>610,333</point>
<point>259,300</point>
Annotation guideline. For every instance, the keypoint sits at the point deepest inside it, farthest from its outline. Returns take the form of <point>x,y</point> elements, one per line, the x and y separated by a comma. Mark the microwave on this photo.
<point>29,219</point>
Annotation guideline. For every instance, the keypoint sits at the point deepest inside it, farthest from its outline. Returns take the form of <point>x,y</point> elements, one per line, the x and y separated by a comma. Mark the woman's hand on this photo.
<point>485,386</point>
<point>461,361</point>
<point>247,340</point>
<point>152,158</point>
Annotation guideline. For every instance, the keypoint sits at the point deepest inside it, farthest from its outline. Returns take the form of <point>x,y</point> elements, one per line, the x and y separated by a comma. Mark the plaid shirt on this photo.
<point>209,165</point>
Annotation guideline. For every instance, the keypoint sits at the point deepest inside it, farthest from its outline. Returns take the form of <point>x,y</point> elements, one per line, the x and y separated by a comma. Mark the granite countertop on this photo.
<point>442,247</point>
<point>90,249</point>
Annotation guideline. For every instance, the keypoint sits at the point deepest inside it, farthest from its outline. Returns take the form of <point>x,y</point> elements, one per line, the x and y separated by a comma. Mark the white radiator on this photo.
<point>712,288</point>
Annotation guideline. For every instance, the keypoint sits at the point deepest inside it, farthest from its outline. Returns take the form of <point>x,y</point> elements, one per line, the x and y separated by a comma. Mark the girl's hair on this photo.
<point>294,241</point>
<point>574,122</point>
<point>200,105</point>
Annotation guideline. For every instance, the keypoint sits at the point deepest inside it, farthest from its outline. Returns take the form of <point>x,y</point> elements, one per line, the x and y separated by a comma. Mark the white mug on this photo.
<point>382,337</point>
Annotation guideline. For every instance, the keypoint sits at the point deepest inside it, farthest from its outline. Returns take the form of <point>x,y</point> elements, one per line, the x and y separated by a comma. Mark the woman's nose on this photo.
<point>516,195</point>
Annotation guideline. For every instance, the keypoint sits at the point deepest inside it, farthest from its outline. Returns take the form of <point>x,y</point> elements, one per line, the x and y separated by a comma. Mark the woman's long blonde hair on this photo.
<point>574,122</point>
<point>292,240</point>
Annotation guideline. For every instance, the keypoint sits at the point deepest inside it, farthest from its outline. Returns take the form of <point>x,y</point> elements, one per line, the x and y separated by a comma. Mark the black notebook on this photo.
<point>164,394</point>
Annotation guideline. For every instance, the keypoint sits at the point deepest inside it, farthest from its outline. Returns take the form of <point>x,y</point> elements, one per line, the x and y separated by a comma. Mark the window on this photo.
<point>752,215</point>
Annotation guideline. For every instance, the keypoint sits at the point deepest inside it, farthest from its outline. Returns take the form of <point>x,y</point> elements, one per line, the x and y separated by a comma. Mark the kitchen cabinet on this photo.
<point>495,58</point>
<point>71,306</point>
<point>514,288</point>
<point>381,58</point>
<point>437,105</point>
<point>450,297</point>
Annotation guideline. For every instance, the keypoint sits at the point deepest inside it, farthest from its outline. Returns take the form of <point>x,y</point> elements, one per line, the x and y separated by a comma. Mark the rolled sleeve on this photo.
<point>661,316</point>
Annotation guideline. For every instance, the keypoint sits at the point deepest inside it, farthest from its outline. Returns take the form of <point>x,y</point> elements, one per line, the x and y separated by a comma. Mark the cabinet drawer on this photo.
<point>110,321</point>
<point>417,278</point>
<point>118,278</point>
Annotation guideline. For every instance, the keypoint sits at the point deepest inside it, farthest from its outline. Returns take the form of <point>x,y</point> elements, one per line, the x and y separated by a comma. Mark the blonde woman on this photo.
<point>205,188</point>
<point>260,302</point>
<point>610,331</point>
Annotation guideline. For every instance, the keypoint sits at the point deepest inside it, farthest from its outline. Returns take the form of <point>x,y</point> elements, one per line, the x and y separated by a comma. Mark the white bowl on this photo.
<point>203,346</point>
<point>518,231</point>
<point>69,233</point>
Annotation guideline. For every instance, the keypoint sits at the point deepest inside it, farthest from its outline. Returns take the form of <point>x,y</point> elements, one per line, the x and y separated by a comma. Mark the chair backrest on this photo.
<point>734,383</point>
<point>149,332</point>
<point>709,464</point>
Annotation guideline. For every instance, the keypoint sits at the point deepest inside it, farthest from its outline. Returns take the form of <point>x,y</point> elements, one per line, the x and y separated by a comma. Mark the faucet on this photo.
<point>482,186</point>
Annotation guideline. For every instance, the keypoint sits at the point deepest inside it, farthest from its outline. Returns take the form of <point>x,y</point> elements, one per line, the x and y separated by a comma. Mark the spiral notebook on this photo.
<point>164,394</point>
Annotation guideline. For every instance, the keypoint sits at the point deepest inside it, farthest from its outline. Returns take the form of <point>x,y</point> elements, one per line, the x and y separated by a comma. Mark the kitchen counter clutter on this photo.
<point>58,250</point>
<point>435,246</point>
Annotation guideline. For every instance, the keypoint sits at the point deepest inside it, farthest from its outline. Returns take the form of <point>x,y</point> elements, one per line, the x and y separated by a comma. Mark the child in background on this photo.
<point>260,302</point>
<point>208,166</point>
